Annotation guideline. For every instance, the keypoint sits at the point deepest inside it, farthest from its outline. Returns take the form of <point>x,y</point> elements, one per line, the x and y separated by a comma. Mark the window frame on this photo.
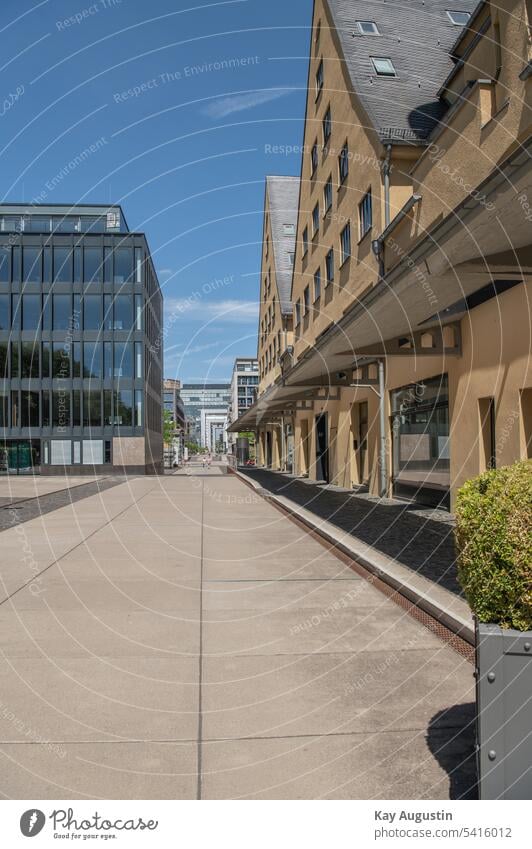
<point>329,262</point>
<point>314,158</point>
<point>327,122</point>
<point>327,195</point>
<point>320,76</point>
<point>316,220</point>
<point>304,237</point>
<point>345,256</point>
<point>384,74</point>
<point>375,31</point>
<point>365,215</point>
<point>451,12</point>
<point>306,300</point>
<point>317,284</point>
<point>343,160</point>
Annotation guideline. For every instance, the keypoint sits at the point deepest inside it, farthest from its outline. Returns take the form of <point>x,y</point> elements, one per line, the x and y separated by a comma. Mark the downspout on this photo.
<point>386,172</point>
<point>382,425</point>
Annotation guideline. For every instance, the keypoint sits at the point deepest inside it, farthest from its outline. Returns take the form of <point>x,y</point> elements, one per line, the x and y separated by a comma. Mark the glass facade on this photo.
<point>80,317</point>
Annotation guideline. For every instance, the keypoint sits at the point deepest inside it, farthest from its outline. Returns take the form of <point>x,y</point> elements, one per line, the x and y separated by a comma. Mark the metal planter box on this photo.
<point>504,712</point>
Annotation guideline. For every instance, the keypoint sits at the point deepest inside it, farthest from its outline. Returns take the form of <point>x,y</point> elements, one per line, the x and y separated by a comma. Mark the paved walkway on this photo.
<point>419,538</point>
<point>178,637</point>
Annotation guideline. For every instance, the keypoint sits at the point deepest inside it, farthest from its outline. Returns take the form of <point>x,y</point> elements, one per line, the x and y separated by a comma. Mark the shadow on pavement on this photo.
<point>451,740</point>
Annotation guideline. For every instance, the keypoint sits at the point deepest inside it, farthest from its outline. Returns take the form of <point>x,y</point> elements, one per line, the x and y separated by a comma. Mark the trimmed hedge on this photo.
<point>494,539</point>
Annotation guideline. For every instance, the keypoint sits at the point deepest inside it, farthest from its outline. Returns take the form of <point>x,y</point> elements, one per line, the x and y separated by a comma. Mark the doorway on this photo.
<point>362,452</point>
<point>268,449</point>
<point>322,448</point>
<point>20,457</point>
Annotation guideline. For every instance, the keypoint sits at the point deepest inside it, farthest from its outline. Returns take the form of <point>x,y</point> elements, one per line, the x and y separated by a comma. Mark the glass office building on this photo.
<point>198,397</point>
<point>80,354</point>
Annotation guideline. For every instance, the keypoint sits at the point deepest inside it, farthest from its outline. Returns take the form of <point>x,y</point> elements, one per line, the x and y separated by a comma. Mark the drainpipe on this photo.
<point>386,170</point>
<point>283,451</point>
<point>382,418</point>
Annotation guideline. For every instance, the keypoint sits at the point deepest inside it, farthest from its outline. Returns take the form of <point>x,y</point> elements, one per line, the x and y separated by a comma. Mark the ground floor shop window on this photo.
<point>420,438</point>
<point>20,456</point>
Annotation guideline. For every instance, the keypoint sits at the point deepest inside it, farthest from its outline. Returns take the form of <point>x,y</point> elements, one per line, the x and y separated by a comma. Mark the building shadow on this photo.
<point>451,740</point>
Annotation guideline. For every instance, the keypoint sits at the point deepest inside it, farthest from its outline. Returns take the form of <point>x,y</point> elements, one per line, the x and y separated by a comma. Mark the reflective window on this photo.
<point>3,361</point>
<point>62,312</point>
<point>123,404</point>
<point>14,360</point>
<point>123,315</point>
<point>4,312</point>
<point>92,359</point>
<point>76,408</point>
<point>61,408</point>
<point>47,265</point>
<point>92,408</point>
<point>29,359</point>
<point>76,359</point>
<point>123,365</point>
<point>31,264</point>
<point>77,265</point>
<point>108,359</point>
<point>4,265</point>
<point>15,269</point>
<point>92,319</point>
<point>138,359</point>
<point>123,272</point>
<point>30,409</point>
<point>4,408</point>
<point>45,409</point>
<point>62,265</point>
<point>108,406</point>
<point>60,360</point>
<point>138,408</point>
<point>45,357</point>
<point>92,265</point>
<point>31,312</point>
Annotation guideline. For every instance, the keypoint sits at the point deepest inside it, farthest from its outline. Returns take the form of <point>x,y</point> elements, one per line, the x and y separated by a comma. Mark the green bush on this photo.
<point>494,539</point>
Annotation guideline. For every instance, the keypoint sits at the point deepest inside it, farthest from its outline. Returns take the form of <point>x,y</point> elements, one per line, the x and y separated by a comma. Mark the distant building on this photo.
<point>174,403</point>
<point>244,385</point>
<point>80,330</point>
<point>214,397</point>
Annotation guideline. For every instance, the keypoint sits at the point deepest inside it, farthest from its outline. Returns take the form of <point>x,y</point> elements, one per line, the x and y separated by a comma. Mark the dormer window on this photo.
<point>384,67</point>
<point>367,28</point>
<point>459,19</point>
<point>289,229</point>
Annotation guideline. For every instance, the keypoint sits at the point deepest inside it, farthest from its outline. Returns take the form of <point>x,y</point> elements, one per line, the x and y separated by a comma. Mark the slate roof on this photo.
<point>283,200</point>
<point>417,35</point>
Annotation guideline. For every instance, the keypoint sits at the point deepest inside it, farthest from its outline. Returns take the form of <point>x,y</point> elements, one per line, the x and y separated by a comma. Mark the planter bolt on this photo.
<point>491,676</point>
<point>492,755</point>
<point>527,646</point>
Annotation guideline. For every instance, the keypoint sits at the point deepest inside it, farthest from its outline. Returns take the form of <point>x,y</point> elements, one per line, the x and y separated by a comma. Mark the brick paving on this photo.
<point>411,535</point>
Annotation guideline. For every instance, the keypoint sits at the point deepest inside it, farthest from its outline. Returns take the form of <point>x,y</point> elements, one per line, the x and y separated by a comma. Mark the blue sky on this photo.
<point>182,102</point>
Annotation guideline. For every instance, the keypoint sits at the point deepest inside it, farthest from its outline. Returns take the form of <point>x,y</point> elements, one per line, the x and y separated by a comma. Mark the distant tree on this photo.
<point>168,427</point>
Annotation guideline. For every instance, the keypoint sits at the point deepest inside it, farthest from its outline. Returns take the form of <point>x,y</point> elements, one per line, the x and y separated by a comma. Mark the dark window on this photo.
<point>92,408</point>
<point>3,361</point>
<point>62,265</point>
<point>123,366</point>
<point>123,317</point>
<point>62,312</point>
<point>29,359</point>
<point>4,312</point>
<point>15,409</point>
<point>107,451</point>
<point>107,265</point>
<point>45,408</point>
<point>108,359</point>
<point>92,318</point>
<point>317,284</point>
<point>46,359</point>
<point>30,409</point>
<point>76,408</point>
<point>60,360</point>
<point>319,78</point>
<point>31,312</point>
<point>60,408</point>
<point>123,404</point>
<point>123,272</point>
<point>14,360</point>
<point>329,266</point>
<point>4,265</point>
<point>345,243</point>
<point>76,359</point>
<point>343,163</point>
<point>37,224</point>
<point>92,359</point>
<point>314,157</point>
<point>92,265</point>
<point>305,241</point>
<point>15,267</point>
<point>108,407</point>
<point>47,265</point>
<point>77,265</point>
<point>365,214</point>
<point>315,219</point>
<point>327,194</point>
<point>31,265</point>
<point>327,126</point>
<point>306,300</point>
<point>4,408</point>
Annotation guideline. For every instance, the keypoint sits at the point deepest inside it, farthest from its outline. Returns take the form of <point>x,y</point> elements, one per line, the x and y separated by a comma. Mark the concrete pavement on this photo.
<point>178,637</point>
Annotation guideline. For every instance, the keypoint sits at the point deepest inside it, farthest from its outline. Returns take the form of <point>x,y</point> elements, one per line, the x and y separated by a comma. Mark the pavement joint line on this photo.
<point>200,651</point>
<point>74,547</point>
<point>188,740</point>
